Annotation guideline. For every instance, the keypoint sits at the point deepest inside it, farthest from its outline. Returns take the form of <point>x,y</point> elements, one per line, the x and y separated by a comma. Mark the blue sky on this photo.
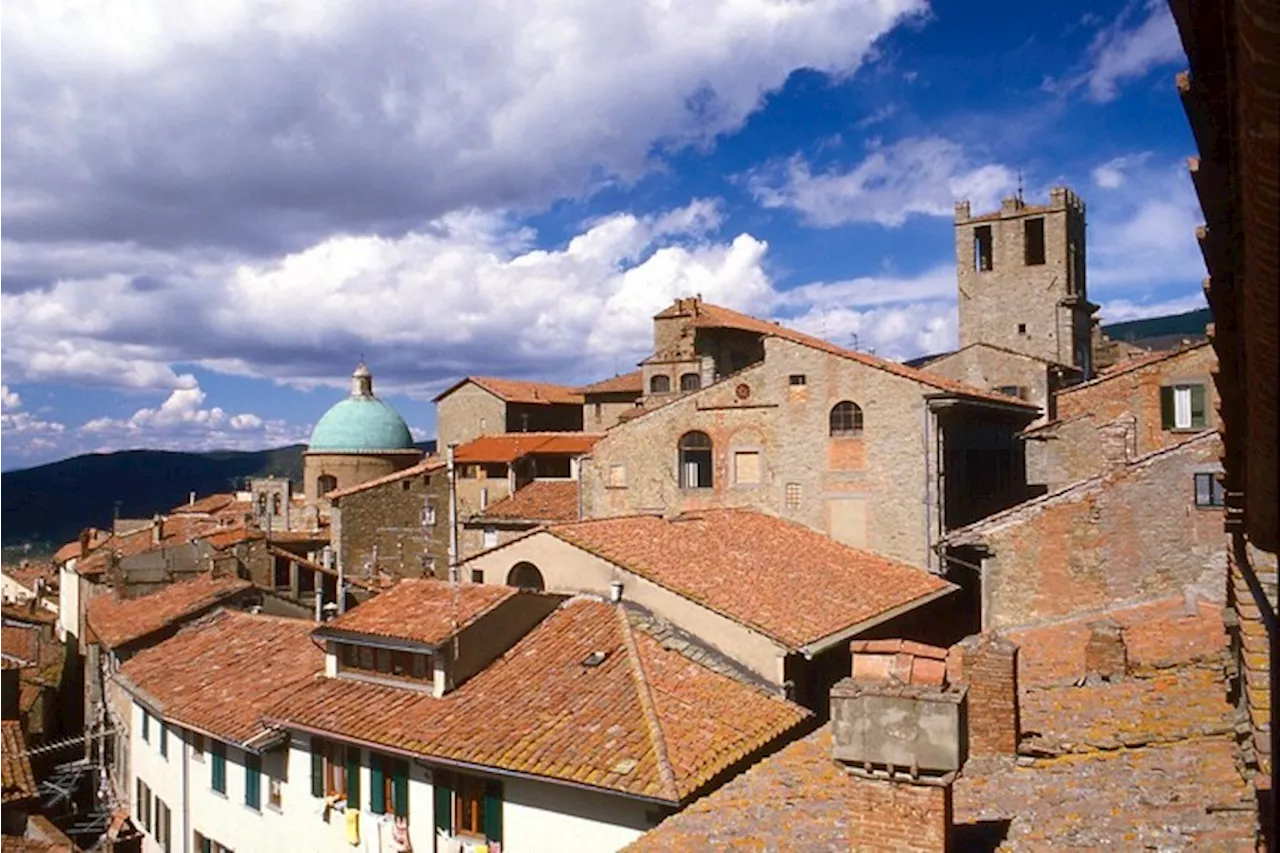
<point>207,221</point>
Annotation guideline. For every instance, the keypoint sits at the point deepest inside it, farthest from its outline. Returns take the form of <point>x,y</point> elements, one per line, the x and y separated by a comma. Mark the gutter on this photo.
<point>811,649</point>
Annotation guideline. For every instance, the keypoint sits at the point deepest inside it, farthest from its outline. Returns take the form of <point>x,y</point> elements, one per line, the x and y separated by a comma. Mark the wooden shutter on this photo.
<point>493,810</point>
<point>1166,407</point>
<point>400,787</point>
<point>442,786</point>
<point>1197,407</point>
<point>252,781</point>
<point>353,776</point>
<point>377,792</point>
<point>317,768</point>
<point>219,752</point>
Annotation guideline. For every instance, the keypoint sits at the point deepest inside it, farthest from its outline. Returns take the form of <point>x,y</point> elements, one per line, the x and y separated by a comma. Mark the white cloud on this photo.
<point>1122,51</point>
<point>25,433</point>
<point>917,176</point>
<point>1113,173</point>
<point>1120,310</point>
<point>10,399</point>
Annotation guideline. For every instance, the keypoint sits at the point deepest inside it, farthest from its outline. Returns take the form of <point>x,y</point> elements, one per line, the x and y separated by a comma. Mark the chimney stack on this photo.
<point>157,529</point>
<point>900,730</point>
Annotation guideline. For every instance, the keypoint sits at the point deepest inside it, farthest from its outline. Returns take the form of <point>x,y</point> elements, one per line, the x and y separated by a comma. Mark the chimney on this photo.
<point>1106,657</point>
<point>86,536</point>
<point>988,666</point>
<point>191,499</point>
<point>900,731</point>
<point>157,529</point>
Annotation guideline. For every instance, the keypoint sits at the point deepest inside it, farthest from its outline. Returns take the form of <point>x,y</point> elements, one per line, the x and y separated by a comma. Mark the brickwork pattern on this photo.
<point>384,527</point>
<point>988,664</point>
<point>893,817</point>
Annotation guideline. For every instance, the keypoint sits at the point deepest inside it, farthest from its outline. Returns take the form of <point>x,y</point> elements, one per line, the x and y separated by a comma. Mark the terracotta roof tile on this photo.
<point>508,447</point>
<point>520,391</point>
<point>220,674</point>
<point>626,383</point>
<point>1130,365</point>
<point>225,538</point>
<point>745,565</point>
<point>21,646</point>
<point>116,622</point>
<point>541,500</point>
<point>206,505</point>
<point>28,575</point>
<point>431,463</point>
<point>423,610</point>
<point>19,781</point>
<point>31,615</point>
<point>645,721</point>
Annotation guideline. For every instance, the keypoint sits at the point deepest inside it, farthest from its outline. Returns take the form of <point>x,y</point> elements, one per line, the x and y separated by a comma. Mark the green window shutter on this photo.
<point>443,792</point>
<point>1197,406</point>
<point>377,791</point>
<point>206,845</point>
<point>146,725</point>
<point>400,787</point>
<point>1166,407</point>
<point>317,768</point>
<point>164,741</point>
<point>353,776</point>
<point>219,766</point>
<point>493,810</point>
<point>253,781</point>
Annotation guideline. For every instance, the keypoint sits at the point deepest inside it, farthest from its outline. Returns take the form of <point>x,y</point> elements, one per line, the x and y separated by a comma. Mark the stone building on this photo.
<point>360,438</point>
<point>483,405</point>
<point>1021,274</point>
<point>604,403</point>
<point>841,441</point>
<point>1005,371</point>
<point>395,525</point>
<point>1131,410</point>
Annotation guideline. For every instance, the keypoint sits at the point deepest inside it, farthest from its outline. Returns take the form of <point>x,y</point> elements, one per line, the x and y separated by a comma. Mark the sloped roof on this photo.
<point>510,446</point>
<point>431,463</point>
<point>626,383</point>
<point>219,675</point>
<point>19,782</point>
<point>424,610</point>
<point>645,721</point>
<point>227,537</point>
<point>1128,366</point>
<point>21,646</point>
<point>786,581</point>
<point>116,622</point>
<point>206,505</point>
<point>541,500</point>
<point>519,391</point>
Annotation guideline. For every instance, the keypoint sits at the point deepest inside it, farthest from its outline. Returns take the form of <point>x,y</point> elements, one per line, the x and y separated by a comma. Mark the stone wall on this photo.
<point>389,528</point>
<point>466,413</point>
<point>352,469</point>
<point>991,368</point>
<point>1134,534</point>
<point>602,411</point>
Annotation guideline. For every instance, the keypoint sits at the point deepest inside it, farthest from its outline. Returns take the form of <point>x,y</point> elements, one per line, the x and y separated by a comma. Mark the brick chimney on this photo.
<point>1106,655</point>
<point>988,666</point>
<point>900,730</point>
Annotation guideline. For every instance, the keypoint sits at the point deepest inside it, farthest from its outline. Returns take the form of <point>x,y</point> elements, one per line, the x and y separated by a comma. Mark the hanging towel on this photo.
<point>353,827</point>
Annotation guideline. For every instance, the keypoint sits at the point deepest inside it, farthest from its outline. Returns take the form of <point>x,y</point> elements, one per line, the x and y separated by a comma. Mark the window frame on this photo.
<point>464,787</point>
<point>1214,494</point>
<point>218,767</point>
<point>1031,225</point>
<point>690,382</point>
<point>659,383</point>
<point>1196,406</point>
<point>253,781</point>
<point>704,460</point>
<point>797,380</point>
<point>845,422</point>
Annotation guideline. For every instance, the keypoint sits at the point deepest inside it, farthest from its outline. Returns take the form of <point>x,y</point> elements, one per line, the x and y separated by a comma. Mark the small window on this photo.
<point>1022,328</point>
<point>282,573</point>
<point>746,467</point>
<point>690,382</point>
<point>618,476</point>
<point>197,744</point>
<point>406,485</point>
<point>797,379</point>
<point>146,725</point>
<point>598,410</point>
<point>164,740</point>
<point>429,515</point>
<point>253,781</point>
<point>660,384</point>
<point>526,576</point>
<point>335,770</point>
<point>484,500</point>
<point>477,575</point>
<point>846,419</point>
<point>491,537</point>
<point>1033,241</point>
<point>1182,407</point>
<point>262,503</point>
<point>1209,491</point>
<point>1012,391</point>
<point>218,771</point>
<point>983,248</point>
<point>793,495</point>
<point>276,506</point>
<point>695,461</point>
<point>325,483</point>
<point>275,792</point>
<point>469,806</point>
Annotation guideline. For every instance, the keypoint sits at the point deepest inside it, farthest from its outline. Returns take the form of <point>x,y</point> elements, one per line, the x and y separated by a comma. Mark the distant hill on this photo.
<point>1174,326</point>
<point>50,504</point>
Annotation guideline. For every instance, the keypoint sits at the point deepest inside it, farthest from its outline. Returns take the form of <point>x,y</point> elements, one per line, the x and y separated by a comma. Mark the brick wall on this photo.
<point>988,664</point>
<point>898,817</point>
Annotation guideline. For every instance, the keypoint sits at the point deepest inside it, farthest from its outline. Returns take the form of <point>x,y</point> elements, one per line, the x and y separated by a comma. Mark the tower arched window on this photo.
<point>526,575</point>
<point>690,382</point>
<point>660,384</point>
<point>325,483</point>
<point>276,505</point>
<point>846,419</point>
<point>695,461</point>
<point>262,503</point>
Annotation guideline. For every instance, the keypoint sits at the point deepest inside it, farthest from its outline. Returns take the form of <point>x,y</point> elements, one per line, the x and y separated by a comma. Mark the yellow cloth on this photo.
<point>480,848</point>
<point>353,827</point>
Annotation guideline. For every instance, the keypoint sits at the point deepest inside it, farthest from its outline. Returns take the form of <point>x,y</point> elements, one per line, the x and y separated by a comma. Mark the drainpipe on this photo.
<point>453,513</point>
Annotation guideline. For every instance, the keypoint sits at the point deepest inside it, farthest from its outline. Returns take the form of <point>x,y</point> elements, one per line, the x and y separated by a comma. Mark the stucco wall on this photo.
<point>569,570</point>
<point>539,818</point>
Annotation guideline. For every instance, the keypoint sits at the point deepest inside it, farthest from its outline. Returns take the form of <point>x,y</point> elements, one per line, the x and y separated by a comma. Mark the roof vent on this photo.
<point>595,658</point>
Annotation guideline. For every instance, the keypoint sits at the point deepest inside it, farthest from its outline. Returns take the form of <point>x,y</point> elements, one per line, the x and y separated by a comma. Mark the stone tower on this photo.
<point>1021,274</point>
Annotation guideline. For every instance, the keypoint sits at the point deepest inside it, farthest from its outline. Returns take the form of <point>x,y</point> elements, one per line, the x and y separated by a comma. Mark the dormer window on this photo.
<point>412,667</point>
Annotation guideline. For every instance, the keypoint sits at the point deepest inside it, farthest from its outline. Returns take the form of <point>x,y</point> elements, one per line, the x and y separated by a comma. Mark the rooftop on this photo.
<point>219,675</point>
<point>21,646</point>
<point>427,465</point>
<point>206,505</point>
<point>642,721</point>
<point>1137,363</point>
<point>539,501</point>
<point>510,446</point>
<point>520,391</point>
<point>422,610</point>
<point>19,781</point>
<point>116,622</point>
<point>791,583</point>
<point>626,383</point>
<point>361,423</point>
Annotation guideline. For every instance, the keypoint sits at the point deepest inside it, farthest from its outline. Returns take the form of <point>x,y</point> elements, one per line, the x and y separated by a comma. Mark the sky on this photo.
<point>212,211</point>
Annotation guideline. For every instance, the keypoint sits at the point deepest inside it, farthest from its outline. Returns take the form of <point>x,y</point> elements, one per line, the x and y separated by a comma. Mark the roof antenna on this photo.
<point>1019,185</point>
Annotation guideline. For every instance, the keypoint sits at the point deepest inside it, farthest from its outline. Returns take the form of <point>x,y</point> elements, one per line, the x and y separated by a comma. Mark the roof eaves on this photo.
<point>653,725</point>
<point>1137,363</point>
<point>822,643</point>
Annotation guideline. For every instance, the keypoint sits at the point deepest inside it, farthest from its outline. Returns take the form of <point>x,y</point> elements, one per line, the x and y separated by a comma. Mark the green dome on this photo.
<point>361,423</point>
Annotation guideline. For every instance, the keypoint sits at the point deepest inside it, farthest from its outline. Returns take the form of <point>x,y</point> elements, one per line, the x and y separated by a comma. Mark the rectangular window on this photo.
<point>1012,391</point>
<point>477,575</point>
<point>746,467</point>
<point>275,793</point>
<point>164,740</point>
<point>280,575</point>
<point>1022,328</point>
<point>797,379</point>
<point>1182,407</point>
<point>388,785</point>
<point>335,770</point>
<point>983,248</point>
<point>197,745</point>
<point>618,476</point>
<point>793,495</point>
<point>468,810</point>
<point>164,825</point>
<point>146,725</point>
<point>430,516</point>
<point>253,781</point>
<point>406,485</point>
<point>491,537</point>
<point>1033,245</point>
<point>383,661</point>
<point>218,750</point>
<point>1209,491</point>
<point>306,580</point>
<point>598,411</point>
<point>484,498</point>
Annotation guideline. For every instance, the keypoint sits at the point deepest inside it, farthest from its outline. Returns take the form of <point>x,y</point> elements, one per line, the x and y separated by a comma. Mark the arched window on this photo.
<point>690,382</point>
<point>325,483</point>
<point>526,576</point>
<point>695,460</point>
<point>660,384</point>
<point>275,505</point>
<point>262,503</point>
<point>846,419</point>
